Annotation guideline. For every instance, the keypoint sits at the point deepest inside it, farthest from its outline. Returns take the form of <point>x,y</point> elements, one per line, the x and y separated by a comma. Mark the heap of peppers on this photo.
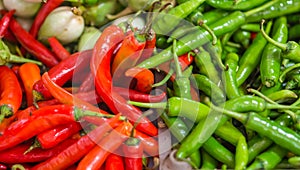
<point>221,76</point>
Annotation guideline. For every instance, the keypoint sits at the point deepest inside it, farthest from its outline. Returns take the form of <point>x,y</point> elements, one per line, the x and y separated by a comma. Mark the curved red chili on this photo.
<point>100,67</point>
<point>97,156</point>
<point>32,45</point>
<point>10,92</point>
<point>58,49</point>
<point>16,154</point>
<point>43,12</point>
<point>62,72</point>
<point>75,152</point>
<point>52,137</point>
<point>4,22</point>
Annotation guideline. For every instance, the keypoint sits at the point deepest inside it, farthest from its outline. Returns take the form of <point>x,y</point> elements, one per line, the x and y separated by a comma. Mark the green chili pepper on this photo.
<point>269,159</point>
<point>251,27</point>
<point>229,133</point>
<point>251,57</point>
<point>161,42</point>
<point>232,5</point>
<point>219,152</point>
<point>242,37</point>
<point>241,154</point>
<point>270,64</point>
<point>291,49</point>
<point>231,87</point>
<point>208,162</point>
<point>196,39</point>
<point>282,96</point>
<point>216,51</point>
<point>295,161</point>
<point>204,84</point>
<point>280,8</point>
<point>281,135</point>
<point>175,14</point>
<point>179,129</point>
<point>208,17</point>
<point>205,65</point>
<point>182,82</point>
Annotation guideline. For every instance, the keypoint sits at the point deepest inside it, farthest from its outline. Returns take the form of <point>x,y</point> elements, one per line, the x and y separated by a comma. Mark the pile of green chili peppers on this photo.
<point>247,115</point>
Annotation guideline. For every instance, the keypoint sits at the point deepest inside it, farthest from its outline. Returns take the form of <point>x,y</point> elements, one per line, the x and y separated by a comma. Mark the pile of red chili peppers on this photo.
<point>221,76</point>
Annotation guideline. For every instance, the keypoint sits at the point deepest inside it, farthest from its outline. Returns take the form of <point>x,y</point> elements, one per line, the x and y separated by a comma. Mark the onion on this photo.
<point>63,24</point>
<point>23,8</point>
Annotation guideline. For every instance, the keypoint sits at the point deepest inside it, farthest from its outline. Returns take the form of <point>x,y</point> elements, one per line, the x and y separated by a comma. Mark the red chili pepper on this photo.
<point>16,154</point>
<point>144,78</point>
<point>42,119</point>
<point>43,12</point>
<point>10,92</point>
<point>52,137</point>
<point>135,95</point>
<point>62,72</point>
<point>4,22</point>
<point>97,156</point>
<point>128,54</point>
<point>149,47</point>
<point>6,123</point>
<point>75,152</point>
<point>3,167</point>
<point>8,35</point>
<point>65,97</point>
<point>100,67</point>
<point>133,153</point>
<point>90,97</point>
<point>58,49</point>
<point>87,84</point>
<point>32,45</point>
<point>114,162</point>
<point>150,145</point>
<point>29,74</point>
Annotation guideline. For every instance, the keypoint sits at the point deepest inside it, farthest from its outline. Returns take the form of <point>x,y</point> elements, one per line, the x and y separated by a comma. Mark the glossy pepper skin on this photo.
<point>100,67</point>
<point>10,91</point>
<point>33,46</point>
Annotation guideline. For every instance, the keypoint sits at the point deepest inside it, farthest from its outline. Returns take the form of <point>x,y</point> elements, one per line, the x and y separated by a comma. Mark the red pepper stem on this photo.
<point>7,57</point>
<point>161,105</point>
<point>282,46</point>
<point>79,113</point>
<point>5,111</point>
<point>18,166</point>
<point>36,144</point>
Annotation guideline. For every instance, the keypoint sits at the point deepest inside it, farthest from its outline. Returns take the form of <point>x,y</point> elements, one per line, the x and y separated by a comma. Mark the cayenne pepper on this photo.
<point>10,92</point>
<point>4,22</point>
<point>32,45</point>
<point>100,67</point>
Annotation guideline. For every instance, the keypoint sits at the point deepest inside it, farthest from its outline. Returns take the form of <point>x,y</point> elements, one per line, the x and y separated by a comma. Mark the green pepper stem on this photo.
<point>260,8</point>
<point>165,79</point>
<point>291,113</point>
<point>36,144</point>
<point>146,113</point>
<point>283,74</point>
<point>17,59</point>
<point>210,31</point>
<point>282,46</point>
<point>176,60</point>
<point>161,105</point>
<point>238,116</point>
<point>18,167</point>
<point>79,113</point>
